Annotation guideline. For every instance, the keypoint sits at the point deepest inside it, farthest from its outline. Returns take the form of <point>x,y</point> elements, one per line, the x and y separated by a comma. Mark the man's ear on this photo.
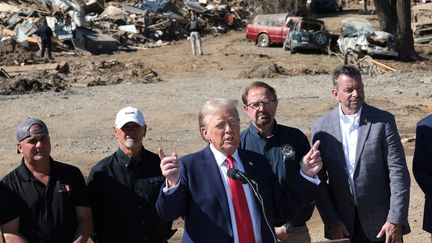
<point>115,131</point>
<point>204,133</point>
<point>19,147</point>
<point>245,108</point>
<point>334,92</point>
<point>145,129</point>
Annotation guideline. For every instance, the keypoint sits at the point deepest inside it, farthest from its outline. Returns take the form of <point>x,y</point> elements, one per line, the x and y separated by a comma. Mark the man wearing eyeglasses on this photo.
<point>284,147</point>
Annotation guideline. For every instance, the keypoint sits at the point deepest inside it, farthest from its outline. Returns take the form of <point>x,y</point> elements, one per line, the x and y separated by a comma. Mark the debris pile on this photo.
<point>96,26</point>
<point>421,23</point>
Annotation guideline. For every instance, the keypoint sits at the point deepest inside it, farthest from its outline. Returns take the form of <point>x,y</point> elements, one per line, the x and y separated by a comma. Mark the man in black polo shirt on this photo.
<point>284,148</point>
<point>124,188</point>
<point>49,201</point>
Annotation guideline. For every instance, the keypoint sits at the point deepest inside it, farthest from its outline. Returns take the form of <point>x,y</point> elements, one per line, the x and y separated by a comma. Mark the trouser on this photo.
<point>299,235</point>
<point>196,43</point>
<point>46,45</point>
<point>359,235</point>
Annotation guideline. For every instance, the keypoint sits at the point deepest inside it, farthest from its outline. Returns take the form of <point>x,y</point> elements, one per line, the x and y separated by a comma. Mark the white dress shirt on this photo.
<point>253,210</point>
<point>349,125</point>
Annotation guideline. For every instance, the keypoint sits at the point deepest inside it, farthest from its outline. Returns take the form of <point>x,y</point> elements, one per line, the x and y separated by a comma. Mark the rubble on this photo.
<point>421,23</point>
<point>88,27</point>
<point>35,84</point>
<point>98,27</point>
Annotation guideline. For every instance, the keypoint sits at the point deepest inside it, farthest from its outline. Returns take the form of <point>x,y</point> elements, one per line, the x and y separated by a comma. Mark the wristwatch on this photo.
<point>289,228</point>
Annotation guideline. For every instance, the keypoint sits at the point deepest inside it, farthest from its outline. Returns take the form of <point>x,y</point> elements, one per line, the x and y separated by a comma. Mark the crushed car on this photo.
<point>307,34</point>
<point>268,29</point>
<point>358,36</point>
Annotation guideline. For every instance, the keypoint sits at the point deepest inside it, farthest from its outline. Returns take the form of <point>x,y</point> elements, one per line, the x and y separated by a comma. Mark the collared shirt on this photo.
<point>124,192</point>
<point>253,210</point>
<point>223,169</point>
<point>284,151</point>
<point>47,212</point>
<point>349,125</point>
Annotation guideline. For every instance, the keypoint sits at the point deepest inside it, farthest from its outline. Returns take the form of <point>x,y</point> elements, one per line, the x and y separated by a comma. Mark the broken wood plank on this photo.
<point>8,32</point>
<point>159,24</point>
<point>4,73</point>
<point>383,65</point>
<point>31,68</point>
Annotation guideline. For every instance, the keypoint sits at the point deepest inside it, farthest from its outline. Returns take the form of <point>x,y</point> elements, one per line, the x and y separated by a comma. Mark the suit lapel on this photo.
<point>335,130</point>
<point>211,173</point>
<point>363,131</point>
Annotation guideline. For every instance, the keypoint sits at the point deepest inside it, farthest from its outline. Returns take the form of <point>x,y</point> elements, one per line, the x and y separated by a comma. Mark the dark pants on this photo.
<point>46,44</point>
<point>359,235</point>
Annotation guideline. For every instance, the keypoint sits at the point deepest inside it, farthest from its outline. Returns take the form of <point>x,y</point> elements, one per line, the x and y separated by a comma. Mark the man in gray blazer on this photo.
<point>365,182</point>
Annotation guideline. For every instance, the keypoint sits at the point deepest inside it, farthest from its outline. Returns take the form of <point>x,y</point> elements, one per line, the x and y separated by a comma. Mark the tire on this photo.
<point>320,38</point>
<point>263,40</point>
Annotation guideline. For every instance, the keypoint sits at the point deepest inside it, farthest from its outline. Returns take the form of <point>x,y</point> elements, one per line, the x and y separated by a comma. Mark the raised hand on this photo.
<point>312,162</point>
<point>170,167</point>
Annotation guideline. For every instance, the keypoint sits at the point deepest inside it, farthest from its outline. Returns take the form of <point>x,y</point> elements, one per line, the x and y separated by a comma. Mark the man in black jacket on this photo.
<point>45,34</point>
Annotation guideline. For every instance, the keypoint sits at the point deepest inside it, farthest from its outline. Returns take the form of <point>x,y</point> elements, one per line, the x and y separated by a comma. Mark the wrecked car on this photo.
<point>307,34</point>
<point>268,29</point>
<point>358,35</point>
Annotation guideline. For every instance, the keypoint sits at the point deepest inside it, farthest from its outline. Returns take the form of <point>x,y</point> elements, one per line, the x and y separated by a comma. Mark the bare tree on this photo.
<point>395,17</point>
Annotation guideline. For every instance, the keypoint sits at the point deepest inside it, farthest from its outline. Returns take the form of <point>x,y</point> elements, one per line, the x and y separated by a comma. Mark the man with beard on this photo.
<point>284,148</point>
<point>365,187</point>
<point>124,187</point>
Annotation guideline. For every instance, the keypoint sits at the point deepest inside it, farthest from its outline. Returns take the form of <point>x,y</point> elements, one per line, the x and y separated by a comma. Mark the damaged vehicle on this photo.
<point>268,29</point>
<point>307,34</point>
<point>358,35</point>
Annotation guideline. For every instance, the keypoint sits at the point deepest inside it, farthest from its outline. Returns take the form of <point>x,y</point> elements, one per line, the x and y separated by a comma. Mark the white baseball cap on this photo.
<point>129,114</point>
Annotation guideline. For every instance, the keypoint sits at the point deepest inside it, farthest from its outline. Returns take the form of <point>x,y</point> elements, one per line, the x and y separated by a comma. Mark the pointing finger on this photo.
<point>316,145</point>
<point>161,153</point>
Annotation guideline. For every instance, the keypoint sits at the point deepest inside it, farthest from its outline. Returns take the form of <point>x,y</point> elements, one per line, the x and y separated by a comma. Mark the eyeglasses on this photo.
<point>258,104</point>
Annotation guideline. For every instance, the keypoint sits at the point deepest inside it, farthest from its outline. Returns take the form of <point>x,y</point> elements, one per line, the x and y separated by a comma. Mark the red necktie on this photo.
<point>241,209</point>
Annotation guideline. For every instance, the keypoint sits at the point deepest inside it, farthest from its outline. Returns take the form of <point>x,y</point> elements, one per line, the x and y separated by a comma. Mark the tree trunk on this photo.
<point>394,16</point>
<point>405,39</point>
<point>386,11</point>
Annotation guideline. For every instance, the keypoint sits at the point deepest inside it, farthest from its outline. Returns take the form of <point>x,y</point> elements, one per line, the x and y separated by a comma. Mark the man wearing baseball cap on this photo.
<point>125,185</point>
<point>49,201</point>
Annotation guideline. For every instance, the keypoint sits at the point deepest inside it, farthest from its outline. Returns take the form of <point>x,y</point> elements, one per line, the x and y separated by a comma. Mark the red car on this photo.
<point>269,29</point>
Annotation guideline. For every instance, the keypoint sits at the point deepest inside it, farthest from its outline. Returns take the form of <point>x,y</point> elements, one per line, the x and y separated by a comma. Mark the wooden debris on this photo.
<point>4,73</point>
<point>30,68</point>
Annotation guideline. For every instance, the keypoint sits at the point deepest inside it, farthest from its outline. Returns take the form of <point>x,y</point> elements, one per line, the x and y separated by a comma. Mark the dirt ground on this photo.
<point>169,85</point>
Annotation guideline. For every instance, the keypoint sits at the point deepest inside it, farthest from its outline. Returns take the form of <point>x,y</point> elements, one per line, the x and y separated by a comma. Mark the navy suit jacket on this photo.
<point>422,167</point>
<point>201,201</point>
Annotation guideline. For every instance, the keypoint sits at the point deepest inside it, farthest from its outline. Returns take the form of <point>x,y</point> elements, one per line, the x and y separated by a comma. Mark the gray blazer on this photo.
<point>381,177</point>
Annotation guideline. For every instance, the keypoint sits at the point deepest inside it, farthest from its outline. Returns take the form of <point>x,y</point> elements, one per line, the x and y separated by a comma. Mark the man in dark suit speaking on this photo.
<point>217,208</point>
<point>365,180</point>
